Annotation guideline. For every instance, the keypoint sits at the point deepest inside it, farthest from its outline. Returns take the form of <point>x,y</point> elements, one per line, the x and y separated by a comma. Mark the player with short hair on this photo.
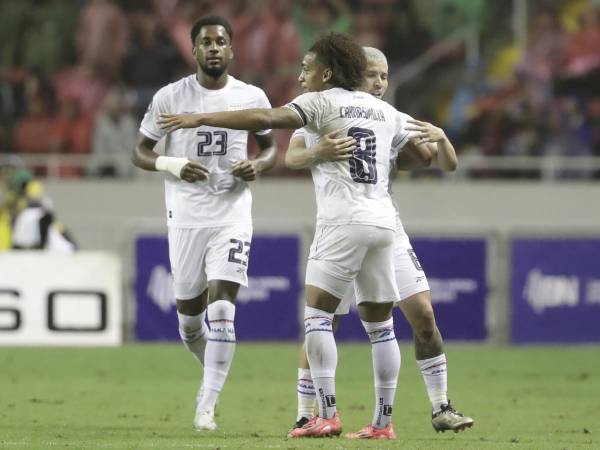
<point>355,215</point>
<point>208,202</point>
<point>412,284</point>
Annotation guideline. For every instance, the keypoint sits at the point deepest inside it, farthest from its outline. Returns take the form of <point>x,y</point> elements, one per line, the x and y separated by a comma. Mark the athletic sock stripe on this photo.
<point>220,320</point>
<point>222,340</point>
<point>380,330</point>
<point>309,380</point>
<point>319,329</point>
<point>312,393</point>
<point>435,365</point>
<point>317,317</point>
<point>393,338</point>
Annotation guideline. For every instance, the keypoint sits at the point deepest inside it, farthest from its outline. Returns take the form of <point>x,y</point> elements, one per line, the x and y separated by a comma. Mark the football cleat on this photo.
<point>319,427</point>
<point>447,418</point>
<point>370,432</point>
<point>205,420</point>
<point>299,424</point>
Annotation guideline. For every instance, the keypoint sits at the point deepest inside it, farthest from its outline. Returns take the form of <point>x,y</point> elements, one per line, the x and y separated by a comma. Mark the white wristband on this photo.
<point>171,164</point>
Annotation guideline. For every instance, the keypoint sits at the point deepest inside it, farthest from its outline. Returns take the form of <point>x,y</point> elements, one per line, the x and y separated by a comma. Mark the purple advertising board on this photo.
<point>555,290</point>
<point>456,272</point>
<point>266,310</point>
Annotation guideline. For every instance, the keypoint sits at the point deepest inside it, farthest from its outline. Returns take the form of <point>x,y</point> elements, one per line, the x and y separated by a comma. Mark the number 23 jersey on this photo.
<point>353,191</point>
<point>223,199</point>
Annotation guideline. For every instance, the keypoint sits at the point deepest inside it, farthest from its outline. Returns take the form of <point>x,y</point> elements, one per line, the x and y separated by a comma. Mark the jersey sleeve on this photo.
<point>299,133</point>
<point>310,107</point>
<point>149,126</point>
<point>262,102</point>
<point>402,136</point>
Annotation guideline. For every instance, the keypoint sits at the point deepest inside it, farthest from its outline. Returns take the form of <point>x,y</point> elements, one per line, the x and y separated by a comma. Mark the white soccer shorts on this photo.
<point>200,255</point>
<point>410,277</point>
<point>363,254</point>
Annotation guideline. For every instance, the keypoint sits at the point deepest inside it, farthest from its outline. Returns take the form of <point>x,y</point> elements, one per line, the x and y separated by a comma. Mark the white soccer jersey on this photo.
<point>312,139</point>
<point>354,191</point>
<point>223,199</point>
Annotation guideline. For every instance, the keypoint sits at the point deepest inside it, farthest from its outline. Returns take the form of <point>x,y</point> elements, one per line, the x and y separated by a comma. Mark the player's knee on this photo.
<point>221,315</point>
<point>223,290</point>
<point>193,306</point>
<point>424,324</point>
<point>380,332</point>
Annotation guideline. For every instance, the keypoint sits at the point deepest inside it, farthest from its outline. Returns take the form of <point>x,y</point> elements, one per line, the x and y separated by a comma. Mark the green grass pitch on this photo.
<point>142,397</point>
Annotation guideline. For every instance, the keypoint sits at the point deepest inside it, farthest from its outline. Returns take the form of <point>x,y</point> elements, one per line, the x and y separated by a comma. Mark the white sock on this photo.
<point>219,351</point>
<point>306,394</point>
<point>435,375</point>
<point>386,366</point>
<point>194,332</point>
<point>322,357</point>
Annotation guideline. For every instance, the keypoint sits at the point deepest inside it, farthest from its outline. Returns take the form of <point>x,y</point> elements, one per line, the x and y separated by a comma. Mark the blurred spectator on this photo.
<point>150,62</point>
<point>453,15</point>
<point>177,17</point>
<point>583,46</point>
<point>312,17</point>
<point>255,32</point>
<point>101,37</point>
<point>114,135</point>
<point>12,21</point>
<point>406,38</point>
<point>71,133</point>
<point>47,38</point>
<point>364,29</point>
<point>33,131</point>
<point>542,57</point>
<point>84,84</point>
<point>580,74</point>
<point>71,129</point>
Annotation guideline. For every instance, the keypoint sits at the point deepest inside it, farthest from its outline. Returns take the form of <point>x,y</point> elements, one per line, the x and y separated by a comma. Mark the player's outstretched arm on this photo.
<point>414,156</point>
<point>146,158</point>
<point>248,170</point>
<point>329,148</point>
<point>444,153</point>
<point>246,119</point>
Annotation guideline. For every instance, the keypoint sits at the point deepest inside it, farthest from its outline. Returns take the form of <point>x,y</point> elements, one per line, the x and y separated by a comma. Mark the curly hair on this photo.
<point>344,57</point>
<point>210,20</point>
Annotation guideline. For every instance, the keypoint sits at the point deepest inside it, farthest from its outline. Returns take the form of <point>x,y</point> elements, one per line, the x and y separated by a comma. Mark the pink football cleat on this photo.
<point>369,432</point>
<point>319,427</point>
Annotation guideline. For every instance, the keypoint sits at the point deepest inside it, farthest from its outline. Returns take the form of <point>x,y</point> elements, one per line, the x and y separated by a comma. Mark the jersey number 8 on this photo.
<point>362,163</point>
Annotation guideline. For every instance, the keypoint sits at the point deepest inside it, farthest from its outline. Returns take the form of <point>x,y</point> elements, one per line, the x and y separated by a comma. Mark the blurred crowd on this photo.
<point>77,75</point>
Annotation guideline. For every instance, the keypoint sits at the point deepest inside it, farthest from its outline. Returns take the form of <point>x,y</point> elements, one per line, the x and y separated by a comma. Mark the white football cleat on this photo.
<point>205,420</point>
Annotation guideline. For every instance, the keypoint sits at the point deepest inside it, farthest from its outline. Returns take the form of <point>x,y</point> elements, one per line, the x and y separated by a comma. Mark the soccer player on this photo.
<point>355,216</point>
<point>208,202</point>
<point>412,284</point>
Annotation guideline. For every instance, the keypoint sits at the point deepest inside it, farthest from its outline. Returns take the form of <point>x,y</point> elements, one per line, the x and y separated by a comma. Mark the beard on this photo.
<point>213,72</point>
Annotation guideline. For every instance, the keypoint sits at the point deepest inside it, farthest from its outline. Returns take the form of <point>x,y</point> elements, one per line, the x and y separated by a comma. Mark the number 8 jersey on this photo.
<point>223,199</point>
<point>353,191</point>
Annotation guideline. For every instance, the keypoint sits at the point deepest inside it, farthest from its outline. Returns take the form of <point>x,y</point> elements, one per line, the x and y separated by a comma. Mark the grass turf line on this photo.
<point>142,397</point>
